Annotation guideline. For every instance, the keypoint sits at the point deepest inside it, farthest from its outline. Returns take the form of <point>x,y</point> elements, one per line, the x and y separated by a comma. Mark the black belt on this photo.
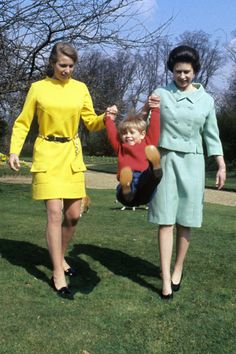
<point>59,139</point>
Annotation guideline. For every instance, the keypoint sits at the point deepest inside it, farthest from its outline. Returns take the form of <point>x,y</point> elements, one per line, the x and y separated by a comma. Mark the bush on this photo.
<point>227,127</point>
<point>98,144</point>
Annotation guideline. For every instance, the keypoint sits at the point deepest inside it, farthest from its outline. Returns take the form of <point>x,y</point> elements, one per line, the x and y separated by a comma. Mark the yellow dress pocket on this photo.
<point>38,167</point>
<point>78,166</point>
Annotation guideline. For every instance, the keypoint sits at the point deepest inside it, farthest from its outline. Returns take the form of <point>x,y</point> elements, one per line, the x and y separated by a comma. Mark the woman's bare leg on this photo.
<point>182,245</point>
<point>71,218</point>
<point>54,239</point>
<point>165,236</point>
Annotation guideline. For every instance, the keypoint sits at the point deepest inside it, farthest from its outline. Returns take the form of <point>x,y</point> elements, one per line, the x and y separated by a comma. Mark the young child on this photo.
<point>139,170</point>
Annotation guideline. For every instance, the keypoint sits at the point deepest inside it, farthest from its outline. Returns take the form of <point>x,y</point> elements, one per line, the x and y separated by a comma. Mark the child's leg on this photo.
<point>153,156</point>
<point>146,186</point>
<point>126,177</point>
<point>126,189</point>
<point>150,178</point>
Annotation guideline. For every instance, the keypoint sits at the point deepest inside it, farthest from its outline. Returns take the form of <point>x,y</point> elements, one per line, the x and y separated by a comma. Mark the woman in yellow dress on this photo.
<point>58,168</point>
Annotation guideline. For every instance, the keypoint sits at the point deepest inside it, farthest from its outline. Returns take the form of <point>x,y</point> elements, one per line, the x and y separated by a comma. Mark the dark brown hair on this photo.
<point>184,54</point>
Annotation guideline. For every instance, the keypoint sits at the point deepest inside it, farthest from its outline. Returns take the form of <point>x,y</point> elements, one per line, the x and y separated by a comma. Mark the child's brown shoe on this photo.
<point>153,156</point>
<point>126,176</point>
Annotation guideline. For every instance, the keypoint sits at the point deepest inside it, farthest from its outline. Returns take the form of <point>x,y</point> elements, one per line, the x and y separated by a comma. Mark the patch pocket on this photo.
<point>78,166</point>
<point>38,167</point>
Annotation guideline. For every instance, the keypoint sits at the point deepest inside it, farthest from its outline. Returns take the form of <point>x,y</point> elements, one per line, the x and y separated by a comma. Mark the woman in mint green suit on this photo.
<point>187,118</point>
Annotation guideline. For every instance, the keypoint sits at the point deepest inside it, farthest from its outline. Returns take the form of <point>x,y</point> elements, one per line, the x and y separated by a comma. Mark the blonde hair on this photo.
<point>132,122</point>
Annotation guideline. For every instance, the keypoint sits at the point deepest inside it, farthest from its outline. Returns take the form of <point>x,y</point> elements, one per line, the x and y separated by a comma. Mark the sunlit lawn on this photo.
<point>117,307</point>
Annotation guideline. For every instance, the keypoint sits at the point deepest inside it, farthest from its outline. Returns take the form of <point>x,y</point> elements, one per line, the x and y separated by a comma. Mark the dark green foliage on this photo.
<point>98,144</point>
<point>227,127</point>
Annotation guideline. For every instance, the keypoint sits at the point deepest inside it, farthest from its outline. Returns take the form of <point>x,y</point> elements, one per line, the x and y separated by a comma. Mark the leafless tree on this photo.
<point>108,77</point>
<point>29,28</point>
<point>231,48</point>
<point>150,72</point>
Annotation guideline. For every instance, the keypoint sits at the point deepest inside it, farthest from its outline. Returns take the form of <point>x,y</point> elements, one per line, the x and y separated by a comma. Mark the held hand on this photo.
<point>153,101</point>
<point>14,162</point>
<point>111,112</point>
<point>220,178</point>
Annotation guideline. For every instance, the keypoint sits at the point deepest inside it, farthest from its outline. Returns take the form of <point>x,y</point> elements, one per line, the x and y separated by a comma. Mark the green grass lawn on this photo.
<point>117,307</point>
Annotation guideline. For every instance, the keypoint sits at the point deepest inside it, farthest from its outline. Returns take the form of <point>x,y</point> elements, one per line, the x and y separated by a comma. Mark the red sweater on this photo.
<point>134,155</point>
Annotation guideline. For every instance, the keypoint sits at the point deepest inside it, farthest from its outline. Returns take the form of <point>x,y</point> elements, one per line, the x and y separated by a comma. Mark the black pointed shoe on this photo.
<point>63,292</point>
<point>176,287</point>
<point>167,297</point>
<point>71,272</point>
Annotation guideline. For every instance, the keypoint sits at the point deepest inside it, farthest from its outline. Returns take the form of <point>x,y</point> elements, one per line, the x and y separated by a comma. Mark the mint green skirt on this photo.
<point>179,197</point>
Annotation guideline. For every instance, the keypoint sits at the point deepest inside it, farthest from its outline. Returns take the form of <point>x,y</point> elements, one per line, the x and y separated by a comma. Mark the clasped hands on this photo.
<point>111,112</point>
<point>153,101</point>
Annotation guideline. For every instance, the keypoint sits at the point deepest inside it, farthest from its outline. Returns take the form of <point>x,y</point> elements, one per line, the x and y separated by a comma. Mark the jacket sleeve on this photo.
<point>91,120</point>
<point>112,134</point>
<point>22,124</point>
<point>153,131</point>
<point>211,135</point>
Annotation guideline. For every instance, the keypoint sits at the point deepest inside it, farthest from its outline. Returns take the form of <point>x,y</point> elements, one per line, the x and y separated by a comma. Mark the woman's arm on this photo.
<point>23,122</point>
<point>91,120</point>
<point>221,173</point>
<point>21,128</point>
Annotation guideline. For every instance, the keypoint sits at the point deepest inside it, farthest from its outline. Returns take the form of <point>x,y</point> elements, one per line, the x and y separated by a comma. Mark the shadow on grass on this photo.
<point>30,256</point>
<point>120,263</point>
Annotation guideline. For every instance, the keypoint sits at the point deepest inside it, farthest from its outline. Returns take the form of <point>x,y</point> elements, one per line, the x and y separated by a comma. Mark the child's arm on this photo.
<point>112,132</point>
<point>153,131</point>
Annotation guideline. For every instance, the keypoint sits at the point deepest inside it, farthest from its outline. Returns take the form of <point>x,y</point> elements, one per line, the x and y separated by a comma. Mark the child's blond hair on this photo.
<point>132,122</point>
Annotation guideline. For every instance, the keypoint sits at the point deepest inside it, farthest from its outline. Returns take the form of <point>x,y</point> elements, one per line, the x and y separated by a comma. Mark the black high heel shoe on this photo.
<point>63,292</point>
<point>167,297</point>
<point>71,272</point>
<point>176,287</point>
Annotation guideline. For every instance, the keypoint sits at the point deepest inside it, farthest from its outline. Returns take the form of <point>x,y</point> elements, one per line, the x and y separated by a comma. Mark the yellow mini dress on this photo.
<point>58,167</point>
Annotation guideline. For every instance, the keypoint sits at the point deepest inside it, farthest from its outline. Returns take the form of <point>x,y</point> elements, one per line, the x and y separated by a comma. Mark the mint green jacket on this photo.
<point>188,118</point>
